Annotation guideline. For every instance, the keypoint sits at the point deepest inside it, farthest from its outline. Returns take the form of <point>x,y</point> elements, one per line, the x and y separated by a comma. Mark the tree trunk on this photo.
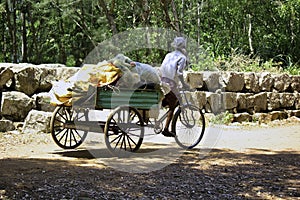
<point>4,48</point>
<point>11,24</point>
<point>165,6</point>
<point>109,13</point>
<point>62,58</point>
<point>24,37</point>
<point>250,34</point>
<point>176,20</point>
<point>199,11</point>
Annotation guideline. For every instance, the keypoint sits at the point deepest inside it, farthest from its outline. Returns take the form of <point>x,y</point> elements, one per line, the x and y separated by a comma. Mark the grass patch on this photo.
<point>245,63</point>
<point>222,118</point>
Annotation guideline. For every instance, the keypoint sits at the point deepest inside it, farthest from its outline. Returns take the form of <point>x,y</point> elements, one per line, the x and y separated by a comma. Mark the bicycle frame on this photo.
<point>158,122</point>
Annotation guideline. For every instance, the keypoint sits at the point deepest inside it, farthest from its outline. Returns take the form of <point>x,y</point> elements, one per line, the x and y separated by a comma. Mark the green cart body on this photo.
<point>140,99</point>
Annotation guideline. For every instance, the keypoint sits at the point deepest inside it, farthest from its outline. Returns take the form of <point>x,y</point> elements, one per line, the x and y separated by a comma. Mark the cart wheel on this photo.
<point>124,130</point>
<point>189,125</point>
<point>63,129</point>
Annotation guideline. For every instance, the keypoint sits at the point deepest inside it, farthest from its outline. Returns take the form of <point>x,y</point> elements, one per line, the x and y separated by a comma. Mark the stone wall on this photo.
<point>249,96</point>
<point>24,95</point>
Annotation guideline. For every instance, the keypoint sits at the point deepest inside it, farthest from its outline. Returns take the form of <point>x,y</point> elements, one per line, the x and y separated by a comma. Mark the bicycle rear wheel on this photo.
<point>189,125</point>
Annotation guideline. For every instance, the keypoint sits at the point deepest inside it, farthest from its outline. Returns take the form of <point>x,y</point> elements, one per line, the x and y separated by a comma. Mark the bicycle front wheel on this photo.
<point>189,125</point>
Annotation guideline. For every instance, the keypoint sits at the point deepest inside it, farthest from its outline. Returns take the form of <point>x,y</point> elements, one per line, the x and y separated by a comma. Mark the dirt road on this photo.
<point>239,163</point>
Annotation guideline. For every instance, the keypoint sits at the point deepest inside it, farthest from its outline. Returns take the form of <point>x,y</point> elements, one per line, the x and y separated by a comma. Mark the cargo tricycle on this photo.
<point>130,111</point>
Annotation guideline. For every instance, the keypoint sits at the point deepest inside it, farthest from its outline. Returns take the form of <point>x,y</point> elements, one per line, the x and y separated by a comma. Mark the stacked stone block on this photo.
<point>249,96</point>
<point>24,94</point>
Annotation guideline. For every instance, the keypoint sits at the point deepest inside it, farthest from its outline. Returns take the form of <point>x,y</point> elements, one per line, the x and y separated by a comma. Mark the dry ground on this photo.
<point>240,166</point>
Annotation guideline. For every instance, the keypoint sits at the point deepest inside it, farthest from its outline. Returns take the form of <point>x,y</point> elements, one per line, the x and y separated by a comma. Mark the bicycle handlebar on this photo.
<point>187,90</point>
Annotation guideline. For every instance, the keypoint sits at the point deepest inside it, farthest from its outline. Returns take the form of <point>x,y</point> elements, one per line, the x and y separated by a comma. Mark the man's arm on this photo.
<point>181,67</point>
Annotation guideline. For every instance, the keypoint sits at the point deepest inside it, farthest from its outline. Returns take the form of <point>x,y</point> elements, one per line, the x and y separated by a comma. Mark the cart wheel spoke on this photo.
<point>62,116</point>
<point>59,131</point>
<point>66,138</point>
<point>73,136</point>
<point>128,138</point>
<point>123,142</point>
<point>77,134</point>
<point>64,135</point>
<point>119,137</point>
<point>124,130</point>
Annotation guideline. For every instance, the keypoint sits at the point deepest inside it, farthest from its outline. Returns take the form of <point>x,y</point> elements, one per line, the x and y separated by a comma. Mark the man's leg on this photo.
<point>172,101</point>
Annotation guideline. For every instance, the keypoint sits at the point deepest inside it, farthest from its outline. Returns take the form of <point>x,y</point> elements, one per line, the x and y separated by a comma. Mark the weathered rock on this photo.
<point>278,115</point>
<point>43,102</point>
<point>5,75</point>
<point>63,73</point>
<point>260,102</point>
<point>273,100</point>
<point>199,98</point>
<point>195,79</point>
<point>244,101</point>
<point>242,117</point>
<point>251,82</point>
<point>294,113</point>
<point>214,103</point>
<point>234,82</point>
<point>6,125</point>
<point>16,105</point>
<point>266,81</point>
<point>261,117</point>
<point>211,81</point>
<point>48,74</point>
<point>282,82</point>
<point>189,97</point>
<point>37,122</point>
<point>295,83</point>
<point>27,79</point>
<point>52,65</point>
<point>297,100</point>
<point>287,100</point>
<point>230,100</point>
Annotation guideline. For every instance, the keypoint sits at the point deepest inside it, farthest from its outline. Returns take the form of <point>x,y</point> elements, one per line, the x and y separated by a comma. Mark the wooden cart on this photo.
<point>124,127</point>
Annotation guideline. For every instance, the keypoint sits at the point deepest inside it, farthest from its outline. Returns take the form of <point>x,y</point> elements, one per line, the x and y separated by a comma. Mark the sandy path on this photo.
<point>237,138</point>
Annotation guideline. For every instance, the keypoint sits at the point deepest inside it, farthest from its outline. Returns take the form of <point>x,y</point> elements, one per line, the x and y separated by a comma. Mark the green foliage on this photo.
<point>293,70</point>
<point>223,118</point>
<point>264,34</point>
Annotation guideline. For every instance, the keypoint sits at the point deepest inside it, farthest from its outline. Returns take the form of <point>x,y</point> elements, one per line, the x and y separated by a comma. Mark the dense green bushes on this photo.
<point>256,34</point>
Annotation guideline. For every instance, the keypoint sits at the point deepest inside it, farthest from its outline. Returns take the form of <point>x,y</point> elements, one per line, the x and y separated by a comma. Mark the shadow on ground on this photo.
<point>223,174</point>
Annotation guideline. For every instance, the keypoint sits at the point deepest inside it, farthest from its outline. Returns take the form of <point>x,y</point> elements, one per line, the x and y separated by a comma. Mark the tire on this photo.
<point>189,125</point>
<point>124,131</point>
<point>63,129</point>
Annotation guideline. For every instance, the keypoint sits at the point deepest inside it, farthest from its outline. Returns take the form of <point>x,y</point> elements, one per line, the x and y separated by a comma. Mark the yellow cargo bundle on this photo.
<point>98,75</point>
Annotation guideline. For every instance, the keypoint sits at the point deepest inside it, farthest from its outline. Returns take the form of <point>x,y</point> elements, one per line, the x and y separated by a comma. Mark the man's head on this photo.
<point>179,43</point>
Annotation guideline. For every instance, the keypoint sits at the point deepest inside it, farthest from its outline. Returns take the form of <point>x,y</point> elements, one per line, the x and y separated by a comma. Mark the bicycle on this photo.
<point>188,123</point>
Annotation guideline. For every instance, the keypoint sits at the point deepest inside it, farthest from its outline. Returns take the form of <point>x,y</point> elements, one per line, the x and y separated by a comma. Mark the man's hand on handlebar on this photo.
<point>186,86</point>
